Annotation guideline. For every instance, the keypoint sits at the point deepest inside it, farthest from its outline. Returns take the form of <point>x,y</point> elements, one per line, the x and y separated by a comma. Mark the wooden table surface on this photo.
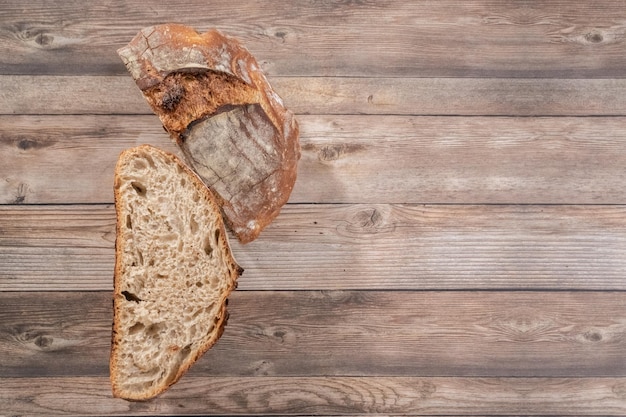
<point>455,243</point>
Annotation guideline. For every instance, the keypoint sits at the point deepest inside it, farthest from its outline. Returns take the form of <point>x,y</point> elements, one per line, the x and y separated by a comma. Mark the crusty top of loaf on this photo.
<point>189,78</point>
<point>159,51</point>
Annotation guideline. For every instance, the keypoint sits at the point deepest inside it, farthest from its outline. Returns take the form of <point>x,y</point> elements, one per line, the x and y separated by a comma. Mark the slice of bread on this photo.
<point>173,272</point>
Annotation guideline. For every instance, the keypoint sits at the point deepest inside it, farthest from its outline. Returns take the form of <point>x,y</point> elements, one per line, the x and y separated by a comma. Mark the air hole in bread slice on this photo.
<point>180,358</point>
<point>130,296</point>
<point>149,160</point>
<point>169,237</point>
<point>136,328</point>
<point>214,282</point>
<point>193,224</point>
<point>154,329</point>
<point>140,165</point>
<point>193,329</point>
<point>139,188</point>
<point>208,247</point>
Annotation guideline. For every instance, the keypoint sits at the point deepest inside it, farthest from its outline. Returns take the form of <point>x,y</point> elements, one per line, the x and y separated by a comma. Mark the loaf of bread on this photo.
<point>218,106</point>
<point>173,272</point>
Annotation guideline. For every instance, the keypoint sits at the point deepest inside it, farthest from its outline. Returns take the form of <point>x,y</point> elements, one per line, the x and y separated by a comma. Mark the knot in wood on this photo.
<point>43,342</point>
<point>593,336</point>
<point>20,194</point>
<point>367,221</point>
<point>36,37</point>
<point>334,152</point>
<point>619,390</point>
<point>426,390</point>
<point>369,218</point>
<point>330,153</point>
<point>594,37</point>
<point>44,40</point>
<point>26,144</point>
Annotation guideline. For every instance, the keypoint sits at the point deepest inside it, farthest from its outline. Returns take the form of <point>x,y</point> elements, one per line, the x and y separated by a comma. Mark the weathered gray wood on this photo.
<point>358,324</point>
<point>360,246</point>
<point>343,333</point>
<point>41,94</point>
<point>348,159</point>
<point>420,39</point>
<point>46,334</point>
<point>462,160</point>
<point>35,149</point>
<point>25,94</point>
<point>325,396</point>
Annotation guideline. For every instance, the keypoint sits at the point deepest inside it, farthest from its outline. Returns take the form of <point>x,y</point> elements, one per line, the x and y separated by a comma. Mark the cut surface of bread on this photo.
<point>217,105</point>
<point>173,272</point>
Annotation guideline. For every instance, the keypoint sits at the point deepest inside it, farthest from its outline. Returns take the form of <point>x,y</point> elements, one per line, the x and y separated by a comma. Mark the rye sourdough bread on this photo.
<point>173,272</point>
<point>217,105</point>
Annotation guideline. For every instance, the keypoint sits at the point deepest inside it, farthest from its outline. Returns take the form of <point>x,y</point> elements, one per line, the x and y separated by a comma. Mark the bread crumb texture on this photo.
<point>174,270</point>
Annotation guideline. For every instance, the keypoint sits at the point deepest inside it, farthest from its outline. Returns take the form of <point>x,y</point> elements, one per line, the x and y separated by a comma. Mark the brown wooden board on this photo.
<point>347,158</point>
<point>325,396</point>
<point>343,333</point>
<point>84,94</point>
<point>371,38</point>
<point>362,246</point>
<point>455,243</point>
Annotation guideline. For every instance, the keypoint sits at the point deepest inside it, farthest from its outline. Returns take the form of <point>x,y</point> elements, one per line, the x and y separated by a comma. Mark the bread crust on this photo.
<point>118,296</point>
<point>187,78</point>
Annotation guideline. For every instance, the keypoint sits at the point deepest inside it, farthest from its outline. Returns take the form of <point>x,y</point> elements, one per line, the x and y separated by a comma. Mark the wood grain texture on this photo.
<point>48,334</point>
<point>325,396</point>
<point>348,159</point>
<point>462,160</point>
<point>24,94</point>
<point>35,149</point>
<point>343,333</point>
<point>318,246</point>
<point>455,243</point>
<point>409,39</point>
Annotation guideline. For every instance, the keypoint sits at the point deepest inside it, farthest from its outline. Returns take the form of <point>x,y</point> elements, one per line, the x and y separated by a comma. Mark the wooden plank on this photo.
<point>325,396</point>
<point>358,246</point>
<point>348,159</point>
<point>23,94</point>
<point>343,333</point>
<point>34,150</point>
<point>43,246</point>
<point>42,94</point>
<point>416,39</point>
<point>462,160</point>
<point>46,334</point>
